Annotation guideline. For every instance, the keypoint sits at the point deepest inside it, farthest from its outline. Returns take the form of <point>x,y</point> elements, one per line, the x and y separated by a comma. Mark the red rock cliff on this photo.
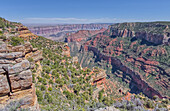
<point>82,35</point>
<point>153,32</point>
<point>140,83</point>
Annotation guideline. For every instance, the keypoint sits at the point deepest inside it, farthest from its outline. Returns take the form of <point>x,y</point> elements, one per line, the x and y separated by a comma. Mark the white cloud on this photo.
<point>75,20</point>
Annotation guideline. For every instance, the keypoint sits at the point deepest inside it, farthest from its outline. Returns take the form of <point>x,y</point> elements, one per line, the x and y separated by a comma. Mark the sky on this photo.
<point>84,11</point>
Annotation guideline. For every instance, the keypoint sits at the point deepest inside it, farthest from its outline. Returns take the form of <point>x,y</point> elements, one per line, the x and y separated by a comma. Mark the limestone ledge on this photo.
<point>16,76</point>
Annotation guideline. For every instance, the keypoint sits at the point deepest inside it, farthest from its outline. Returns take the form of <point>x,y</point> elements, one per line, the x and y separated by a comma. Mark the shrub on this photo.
<point>50,81</point>
<point>68,95</point>
<point>33,78</point>
<point>47,76</point>
<point>30,59</point>
<point>101,95</point>
<point>60,82</point>
<point>50,89</point>
<point>42,87</point>
<point>48,97</point>
<point>39,79</point>
<point>44,82</point>
<point>57,75</point>
<point>166,101</point>
<point>39,95</point>
<point>16,41</point>
<point>54,72</point>
<point>149,104</point>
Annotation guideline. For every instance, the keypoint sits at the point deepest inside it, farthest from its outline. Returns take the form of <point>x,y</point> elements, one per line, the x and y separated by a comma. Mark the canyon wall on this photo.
<point>16,84</point>
<point>116,63</point>
<point>56,32</point>
<point>137,52</point>
<point>156,33</point>
<point>82,35</point>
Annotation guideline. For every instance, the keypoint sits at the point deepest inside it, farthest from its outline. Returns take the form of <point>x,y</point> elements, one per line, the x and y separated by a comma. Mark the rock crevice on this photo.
<point>16,76</point>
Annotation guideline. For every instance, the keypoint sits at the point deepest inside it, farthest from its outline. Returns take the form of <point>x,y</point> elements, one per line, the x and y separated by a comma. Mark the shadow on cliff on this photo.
<point>132,85</point>
<point>143,42</point>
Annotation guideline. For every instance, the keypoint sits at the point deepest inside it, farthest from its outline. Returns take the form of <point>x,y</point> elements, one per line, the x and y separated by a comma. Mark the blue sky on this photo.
<point>84,11</point>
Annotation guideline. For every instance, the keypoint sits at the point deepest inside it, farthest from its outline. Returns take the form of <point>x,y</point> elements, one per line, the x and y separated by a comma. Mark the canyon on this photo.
<point>58,32</point>
<point>133,50</point>
<point>99,65</point>
<point>156,33</point>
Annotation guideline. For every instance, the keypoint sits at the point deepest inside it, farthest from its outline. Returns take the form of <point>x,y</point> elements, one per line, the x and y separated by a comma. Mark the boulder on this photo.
<point>21,81</point>
<point>19,67</point>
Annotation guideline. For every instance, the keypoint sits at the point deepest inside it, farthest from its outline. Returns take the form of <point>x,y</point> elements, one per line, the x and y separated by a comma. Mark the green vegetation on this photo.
<point>6,24</point>
<point>14,41</point>
<point>62,84</point>
<point>149,27</point>
<point>148,60</point>
<point>133,55</point>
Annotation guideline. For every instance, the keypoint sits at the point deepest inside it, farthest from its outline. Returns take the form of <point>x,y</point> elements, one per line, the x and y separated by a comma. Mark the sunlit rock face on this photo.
<point>57,32</point>
<point>137,50</point>
<point>16,76</point>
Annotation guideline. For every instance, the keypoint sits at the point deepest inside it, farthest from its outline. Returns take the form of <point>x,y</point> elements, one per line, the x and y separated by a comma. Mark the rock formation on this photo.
<point>13,29</point>
<point>99,74</point>
<point>139,82</point>
<point>16,76</point>
<point>134,49</point>
<point>154,32</point>
<point>66,50</point>
<point>59,31</point>
<point>82,35</point>
<point>25,33</point>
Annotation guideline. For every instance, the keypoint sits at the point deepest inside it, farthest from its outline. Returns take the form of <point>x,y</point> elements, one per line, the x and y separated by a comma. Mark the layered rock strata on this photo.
<point>59,31</point>
<point>154,32</point>
<point>13,29</point>
<point>139,82</point>
<point>149,40</point>
<point>16,76</point>
<point>82,35</point>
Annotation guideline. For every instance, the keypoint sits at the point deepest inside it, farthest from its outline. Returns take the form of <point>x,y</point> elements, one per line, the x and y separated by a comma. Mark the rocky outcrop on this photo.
<point>66,50</point>
<point>25,33</point>
<point>59,31</point>
<point>98,78</point>
<point>99,74</point>
<point>13,29</point>
<point>16,76</point>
